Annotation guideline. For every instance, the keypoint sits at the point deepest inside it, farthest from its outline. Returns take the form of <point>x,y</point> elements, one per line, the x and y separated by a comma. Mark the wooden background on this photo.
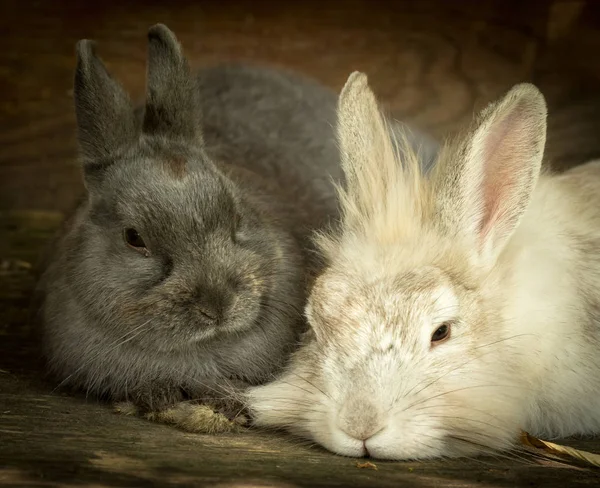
<point>433,62</point>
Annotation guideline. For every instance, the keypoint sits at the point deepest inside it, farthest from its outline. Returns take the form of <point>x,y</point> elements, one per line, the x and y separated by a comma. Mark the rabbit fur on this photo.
<point>183,272</point>
<point>455,308</point>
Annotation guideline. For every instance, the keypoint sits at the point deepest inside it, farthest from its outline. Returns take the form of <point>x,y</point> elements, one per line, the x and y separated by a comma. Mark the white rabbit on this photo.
<point>455,309</point>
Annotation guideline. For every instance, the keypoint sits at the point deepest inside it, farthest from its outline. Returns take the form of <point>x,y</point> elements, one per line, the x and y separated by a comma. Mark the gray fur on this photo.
<point>225,176</point>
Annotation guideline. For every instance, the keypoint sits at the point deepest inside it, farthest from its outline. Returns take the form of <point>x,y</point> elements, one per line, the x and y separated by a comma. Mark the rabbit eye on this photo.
<point>134,240</point>
<point>441,333</point>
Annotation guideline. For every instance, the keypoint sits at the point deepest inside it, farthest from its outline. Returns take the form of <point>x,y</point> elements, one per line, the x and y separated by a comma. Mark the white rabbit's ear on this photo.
<point>366,150</point>
<point>486,186</point>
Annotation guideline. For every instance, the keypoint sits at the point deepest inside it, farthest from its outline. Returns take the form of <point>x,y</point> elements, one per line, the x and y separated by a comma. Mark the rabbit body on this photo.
<point>222,176</point>
<point>455,309</point>
<point>551,273</point>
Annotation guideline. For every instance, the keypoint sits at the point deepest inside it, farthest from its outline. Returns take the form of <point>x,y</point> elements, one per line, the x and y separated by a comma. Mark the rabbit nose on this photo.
<point>212,315</point>
<point>211,303</point>
<point>362,432</point>
<point>360,420</point>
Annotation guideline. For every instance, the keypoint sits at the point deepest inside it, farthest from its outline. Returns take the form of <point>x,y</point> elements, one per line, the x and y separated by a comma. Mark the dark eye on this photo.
<point>134,240</point>
<point>441,333</point>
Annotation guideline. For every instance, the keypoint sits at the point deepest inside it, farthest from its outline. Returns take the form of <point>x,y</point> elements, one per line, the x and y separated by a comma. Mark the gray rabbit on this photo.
<point>184,271</point>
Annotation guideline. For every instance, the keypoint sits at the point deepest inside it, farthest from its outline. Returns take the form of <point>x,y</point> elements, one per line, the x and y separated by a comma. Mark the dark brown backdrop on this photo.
<point>434,61</point>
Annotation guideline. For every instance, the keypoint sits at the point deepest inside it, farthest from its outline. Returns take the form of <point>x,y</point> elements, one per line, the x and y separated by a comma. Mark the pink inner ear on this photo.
<point>506,148</point>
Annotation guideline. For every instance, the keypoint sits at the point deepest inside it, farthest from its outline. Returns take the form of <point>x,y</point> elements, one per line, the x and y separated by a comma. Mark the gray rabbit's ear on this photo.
<point>104,112</point>
<point>172,108</point>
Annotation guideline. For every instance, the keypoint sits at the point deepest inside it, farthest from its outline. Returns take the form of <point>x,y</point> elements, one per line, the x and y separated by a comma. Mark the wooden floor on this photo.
<point>434,62</point>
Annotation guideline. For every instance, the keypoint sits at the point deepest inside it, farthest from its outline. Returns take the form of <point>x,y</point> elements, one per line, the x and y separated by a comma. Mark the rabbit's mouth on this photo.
<point>243,312</point>
<point>203,324</point>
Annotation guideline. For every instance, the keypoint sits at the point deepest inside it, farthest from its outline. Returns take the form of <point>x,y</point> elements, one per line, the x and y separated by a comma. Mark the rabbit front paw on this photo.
<point>190,417</point>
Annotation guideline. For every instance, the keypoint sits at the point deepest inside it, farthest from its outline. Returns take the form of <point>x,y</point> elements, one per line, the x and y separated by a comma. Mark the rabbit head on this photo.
<point>407,357</point>
<point>169,249</point>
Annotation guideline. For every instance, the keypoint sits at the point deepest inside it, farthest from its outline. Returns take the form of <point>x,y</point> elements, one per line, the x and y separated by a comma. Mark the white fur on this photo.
<point>506,256</point>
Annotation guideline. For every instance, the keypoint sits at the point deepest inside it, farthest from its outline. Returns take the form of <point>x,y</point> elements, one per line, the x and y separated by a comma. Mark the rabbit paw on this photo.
<point>190,417</point>
<point>126,408</point>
